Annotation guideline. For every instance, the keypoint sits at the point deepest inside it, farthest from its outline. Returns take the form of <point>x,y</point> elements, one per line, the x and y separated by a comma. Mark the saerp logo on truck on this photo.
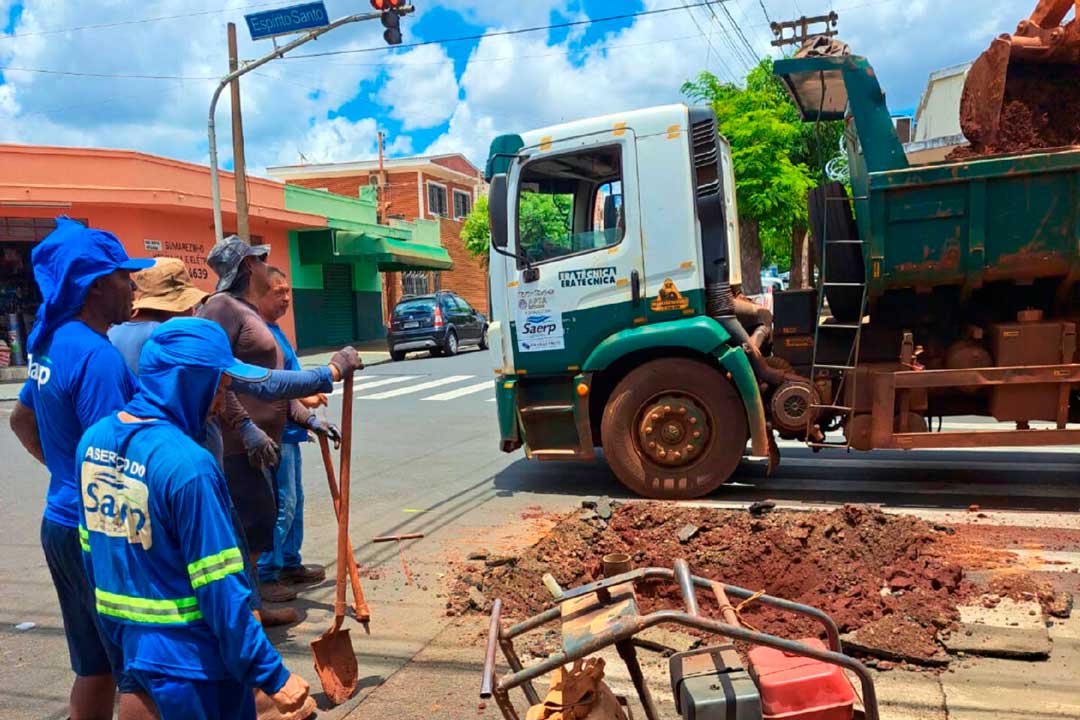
<point>540,332</point>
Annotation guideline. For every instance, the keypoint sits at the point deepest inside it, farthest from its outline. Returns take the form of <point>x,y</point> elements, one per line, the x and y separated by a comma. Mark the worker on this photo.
<point>161,292</point>
<point>165,291</point>
<point>242,281</point>
<point>284,564</point>
<point>158,542</point>
<point>76,378</point>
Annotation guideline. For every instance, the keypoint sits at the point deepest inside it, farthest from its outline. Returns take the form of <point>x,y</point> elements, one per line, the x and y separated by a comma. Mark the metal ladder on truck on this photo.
<point>854,330</point>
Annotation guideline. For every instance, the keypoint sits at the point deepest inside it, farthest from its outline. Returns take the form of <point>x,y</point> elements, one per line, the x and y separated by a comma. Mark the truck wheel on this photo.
<point>674,429</point>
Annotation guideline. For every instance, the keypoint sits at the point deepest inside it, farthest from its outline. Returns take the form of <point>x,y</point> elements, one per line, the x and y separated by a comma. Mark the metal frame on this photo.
<point>886,387</point>
<point>623,627</point>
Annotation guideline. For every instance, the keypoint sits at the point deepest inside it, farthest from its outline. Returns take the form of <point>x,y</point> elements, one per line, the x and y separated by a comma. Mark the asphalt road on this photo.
<point>426,460</point>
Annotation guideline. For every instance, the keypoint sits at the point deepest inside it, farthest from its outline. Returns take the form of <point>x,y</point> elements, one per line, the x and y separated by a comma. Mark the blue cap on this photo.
<point>65,264</point>
<point>195,343</point>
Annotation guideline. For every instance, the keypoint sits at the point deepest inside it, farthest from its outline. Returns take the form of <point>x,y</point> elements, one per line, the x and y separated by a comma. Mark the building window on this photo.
<point>436,199</point>
<point>414,282</point>
<point>462,204</point>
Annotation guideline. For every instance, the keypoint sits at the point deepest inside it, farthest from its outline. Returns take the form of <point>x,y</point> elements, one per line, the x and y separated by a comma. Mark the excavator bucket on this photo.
<point>1023,93</point>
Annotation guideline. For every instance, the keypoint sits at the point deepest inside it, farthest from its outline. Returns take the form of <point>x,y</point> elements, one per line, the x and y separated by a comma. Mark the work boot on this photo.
<point>272,617</point>
<point>303,574</point>
<point>267,710</point>
<point>275,592</point>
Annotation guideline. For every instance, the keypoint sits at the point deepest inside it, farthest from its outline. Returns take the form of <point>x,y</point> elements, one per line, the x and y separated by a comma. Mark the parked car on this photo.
<point>441,323</point>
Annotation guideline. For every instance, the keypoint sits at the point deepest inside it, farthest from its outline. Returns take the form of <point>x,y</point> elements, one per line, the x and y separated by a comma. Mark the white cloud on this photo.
<point>334,141</point>
<point>420,88</point>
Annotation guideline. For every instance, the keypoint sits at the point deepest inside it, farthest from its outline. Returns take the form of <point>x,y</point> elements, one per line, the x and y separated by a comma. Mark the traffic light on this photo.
<point>392,22</point>
<point>392,10</point>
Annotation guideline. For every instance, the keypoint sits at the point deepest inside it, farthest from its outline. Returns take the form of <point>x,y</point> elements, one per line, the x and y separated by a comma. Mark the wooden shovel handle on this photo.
<point>360,606</point>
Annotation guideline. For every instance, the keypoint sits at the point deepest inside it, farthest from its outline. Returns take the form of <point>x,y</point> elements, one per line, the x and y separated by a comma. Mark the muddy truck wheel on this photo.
<point>674,429</point>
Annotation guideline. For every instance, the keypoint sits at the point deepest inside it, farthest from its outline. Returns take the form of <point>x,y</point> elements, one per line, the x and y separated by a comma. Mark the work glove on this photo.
<point>315,401</point>
<point>262,452</point>
<point>347,361</point>
<point>330,430</point>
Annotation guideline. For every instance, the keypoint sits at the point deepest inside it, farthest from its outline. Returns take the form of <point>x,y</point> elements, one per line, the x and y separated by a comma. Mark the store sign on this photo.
<point>152,245</point>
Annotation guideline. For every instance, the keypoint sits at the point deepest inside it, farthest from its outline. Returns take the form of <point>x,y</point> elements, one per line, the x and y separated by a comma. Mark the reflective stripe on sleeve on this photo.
<point>84,539</point>
<point>142,610</point>
<point>214,567</point>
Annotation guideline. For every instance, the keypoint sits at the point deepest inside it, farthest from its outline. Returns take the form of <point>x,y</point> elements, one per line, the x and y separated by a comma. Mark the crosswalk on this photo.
<point>420,387</point>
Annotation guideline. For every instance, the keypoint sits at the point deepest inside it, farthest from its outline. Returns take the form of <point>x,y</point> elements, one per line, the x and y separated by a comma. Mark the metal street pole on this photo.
<point>211,131</point>
<point>243,229</point>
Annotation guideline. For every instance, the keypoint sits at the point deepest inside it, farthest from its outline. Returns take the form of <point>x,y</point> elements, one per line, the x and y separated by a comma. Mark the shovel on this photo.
<point>360,607</point>
<point>335,660</point>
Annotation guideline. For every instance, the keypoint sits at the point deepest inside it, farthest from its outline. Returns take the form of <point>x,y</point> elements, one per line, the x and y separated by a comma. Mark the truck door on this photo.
<point>574,222</point>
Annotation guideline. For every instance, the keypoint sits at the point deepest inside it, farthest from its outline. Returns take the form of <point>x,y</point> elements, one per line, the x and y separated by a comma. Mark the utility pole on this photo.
<point>800,29</point>
<point>243,228</point>
<point>379,206</point>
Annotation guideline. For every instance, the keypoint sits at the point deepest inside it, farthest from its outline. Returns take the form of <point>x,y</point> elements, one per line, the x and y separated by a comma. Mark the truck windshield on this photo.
<point>571,203</point>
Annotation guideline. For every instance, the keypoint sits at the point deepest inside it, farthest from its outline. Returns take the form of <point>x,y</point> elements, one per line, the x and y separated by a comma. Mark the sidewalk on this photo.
<point>373,352</point>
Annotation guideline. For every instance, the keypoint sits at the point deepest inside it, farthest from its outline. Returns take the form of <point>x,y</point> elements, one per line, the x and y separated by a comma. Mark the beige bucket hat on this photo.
<point>166,287</point>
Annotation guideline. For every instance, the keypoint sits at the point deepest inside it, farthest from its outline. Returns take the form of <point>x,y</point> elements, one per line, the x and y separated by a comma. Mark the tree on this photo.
<point>777,160</point>
<point>475,233</point>
<point>544,218</point>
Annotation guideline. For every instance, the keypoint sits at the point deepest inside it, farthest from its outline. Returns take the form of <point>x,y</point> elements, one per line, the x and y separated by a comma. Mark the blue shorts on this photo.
<point>90,653</point>
<point>184,699</point>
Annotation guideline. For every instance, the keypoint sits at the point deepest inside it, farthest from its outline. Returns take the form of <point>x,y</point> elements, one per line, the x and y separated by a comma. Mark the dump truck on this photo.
<point>618,321</point>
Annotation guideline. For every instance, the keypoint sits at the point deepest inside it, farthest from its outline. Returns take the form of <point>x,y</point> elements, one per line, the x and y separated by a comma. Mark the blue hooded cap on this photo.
<point>65,264</point>
<point>179,370</point>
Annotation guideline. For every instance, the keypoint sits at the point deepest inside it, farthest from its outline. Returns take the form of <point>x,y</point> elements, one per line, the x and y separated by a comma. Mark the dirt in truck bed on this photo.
<point>865,568</point>
<point>1041,111</point>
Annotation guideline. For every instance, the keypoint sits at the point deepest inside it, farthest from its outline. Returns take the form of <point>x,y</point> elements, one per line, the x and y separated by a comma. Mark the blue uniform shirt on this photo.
<point>76,378</point>
<point>293,432</point>
<point>129,339</point>
<point>167,572</point>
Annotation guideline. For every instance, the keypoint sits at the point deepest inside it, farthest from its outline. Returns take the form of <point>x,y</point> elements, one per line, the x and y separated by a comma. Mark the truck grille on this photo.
<point>706,155</point>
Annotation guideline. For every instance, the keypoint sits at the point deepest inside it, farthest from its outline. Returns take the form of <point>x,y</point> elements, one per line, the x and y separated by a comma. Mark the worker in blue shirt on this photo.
<point>161,551</point>
<point>76,378</point>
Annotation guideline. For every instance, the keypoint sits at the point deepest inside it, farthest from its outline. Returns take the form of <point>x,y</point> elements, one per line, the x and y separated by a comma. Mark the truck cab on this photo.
<point>614,259</point>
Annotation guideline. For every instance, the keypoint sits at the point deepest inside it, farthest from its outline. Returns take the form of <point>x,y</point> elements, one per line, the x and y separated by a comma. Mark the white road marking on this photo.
<point>491,399</point>
<point>379,382</point>
<point>416,388</point>
<point>461,392</point>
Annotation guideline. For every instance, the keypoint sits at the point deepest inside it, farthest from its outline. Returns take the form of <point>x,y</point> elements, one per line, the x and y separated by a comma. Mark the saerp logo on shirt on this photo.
<point>39,372</point>
<point>116,504</point>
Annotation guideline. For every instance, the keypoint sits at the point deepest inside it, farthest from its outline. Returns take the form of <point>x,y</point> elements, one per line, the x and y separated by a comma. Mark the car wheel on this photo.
<point>674,429</point>
<point>451,347</point>
<point>397,355</point>
<point>483,344</point>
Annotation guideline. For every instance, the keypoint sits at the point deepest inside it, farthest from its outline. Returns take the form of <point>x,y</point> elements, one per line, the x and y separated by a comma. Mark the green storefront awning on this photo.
<point>320,247</point>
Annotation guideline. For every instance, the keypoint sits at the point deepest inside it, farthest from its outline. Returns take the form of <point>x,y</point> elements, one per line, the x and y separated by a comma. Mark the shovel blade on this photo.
<point>335,664</point>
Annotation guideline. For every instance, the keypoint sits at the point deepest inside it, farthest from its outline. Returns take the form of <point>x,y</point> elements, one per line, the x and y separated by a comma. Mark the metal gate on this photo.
<point>339,309</point>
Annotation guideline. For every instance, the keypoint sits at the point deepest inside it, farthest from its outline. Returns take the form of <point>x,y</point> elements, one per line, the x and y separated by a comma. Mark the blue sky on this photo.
<point>447,97</point>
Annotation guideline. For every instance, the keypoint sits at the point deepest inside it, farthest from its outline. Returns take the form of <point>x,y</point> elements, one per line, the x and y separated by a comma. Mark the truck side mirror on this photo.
<point>497,211</point>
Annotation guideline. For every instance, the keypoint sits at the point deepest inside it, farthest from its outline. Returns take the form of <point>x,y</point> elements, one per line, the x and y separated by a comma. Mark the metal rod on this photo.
<point>686,586</point>
<point>514,662</point>
<point>532,623</point>
<point>628,653</point>
<point>502,699</point>
<point>627,628</point>
<point>211,130</point>
<point>487,684</point>
<point>392,538</point>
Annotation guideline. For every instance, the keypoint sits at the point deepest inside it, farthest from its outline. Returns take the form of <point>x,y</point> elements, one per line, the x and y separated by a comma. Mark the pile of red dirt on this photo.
<point>857,564</point>
<point>1041,110</point>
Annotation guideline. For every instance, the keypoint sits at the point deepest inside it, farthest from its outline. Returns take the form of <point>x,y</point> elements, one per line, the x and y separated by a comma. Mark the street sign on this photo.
<point>287,20</point>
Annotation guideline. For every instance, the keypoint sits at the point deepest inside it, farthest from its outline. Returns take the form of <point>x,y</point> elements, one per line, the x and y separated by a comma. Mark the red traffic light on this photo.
<point>382,5</point>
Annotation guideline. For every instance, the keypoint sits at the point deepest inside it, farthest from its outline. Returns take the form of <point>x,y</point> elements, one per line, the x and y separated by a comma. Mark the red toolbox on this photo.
<point>799,688</point>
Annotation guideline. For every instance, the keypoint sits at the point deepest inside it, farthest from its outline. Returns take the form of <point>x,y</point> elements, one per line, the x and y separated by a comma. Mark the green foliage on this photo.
<point>777,157</point>
<point>544,218</point>
<point>476,233</point>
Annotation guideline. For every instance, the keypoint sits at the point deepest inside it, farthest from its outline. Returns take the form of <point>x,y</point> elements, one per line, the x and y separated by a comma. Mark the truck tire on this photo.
<point>649,427</point>
<point>831,218</point>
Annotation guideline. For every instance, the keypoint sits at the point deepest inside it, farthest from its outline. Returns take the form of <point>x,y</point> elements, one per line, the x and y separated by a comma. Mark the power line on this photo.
<point>708,40</point>
<point>503,33</point>
<point>136,21</point>
<point>112,76</point>
<point>742,36</point>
